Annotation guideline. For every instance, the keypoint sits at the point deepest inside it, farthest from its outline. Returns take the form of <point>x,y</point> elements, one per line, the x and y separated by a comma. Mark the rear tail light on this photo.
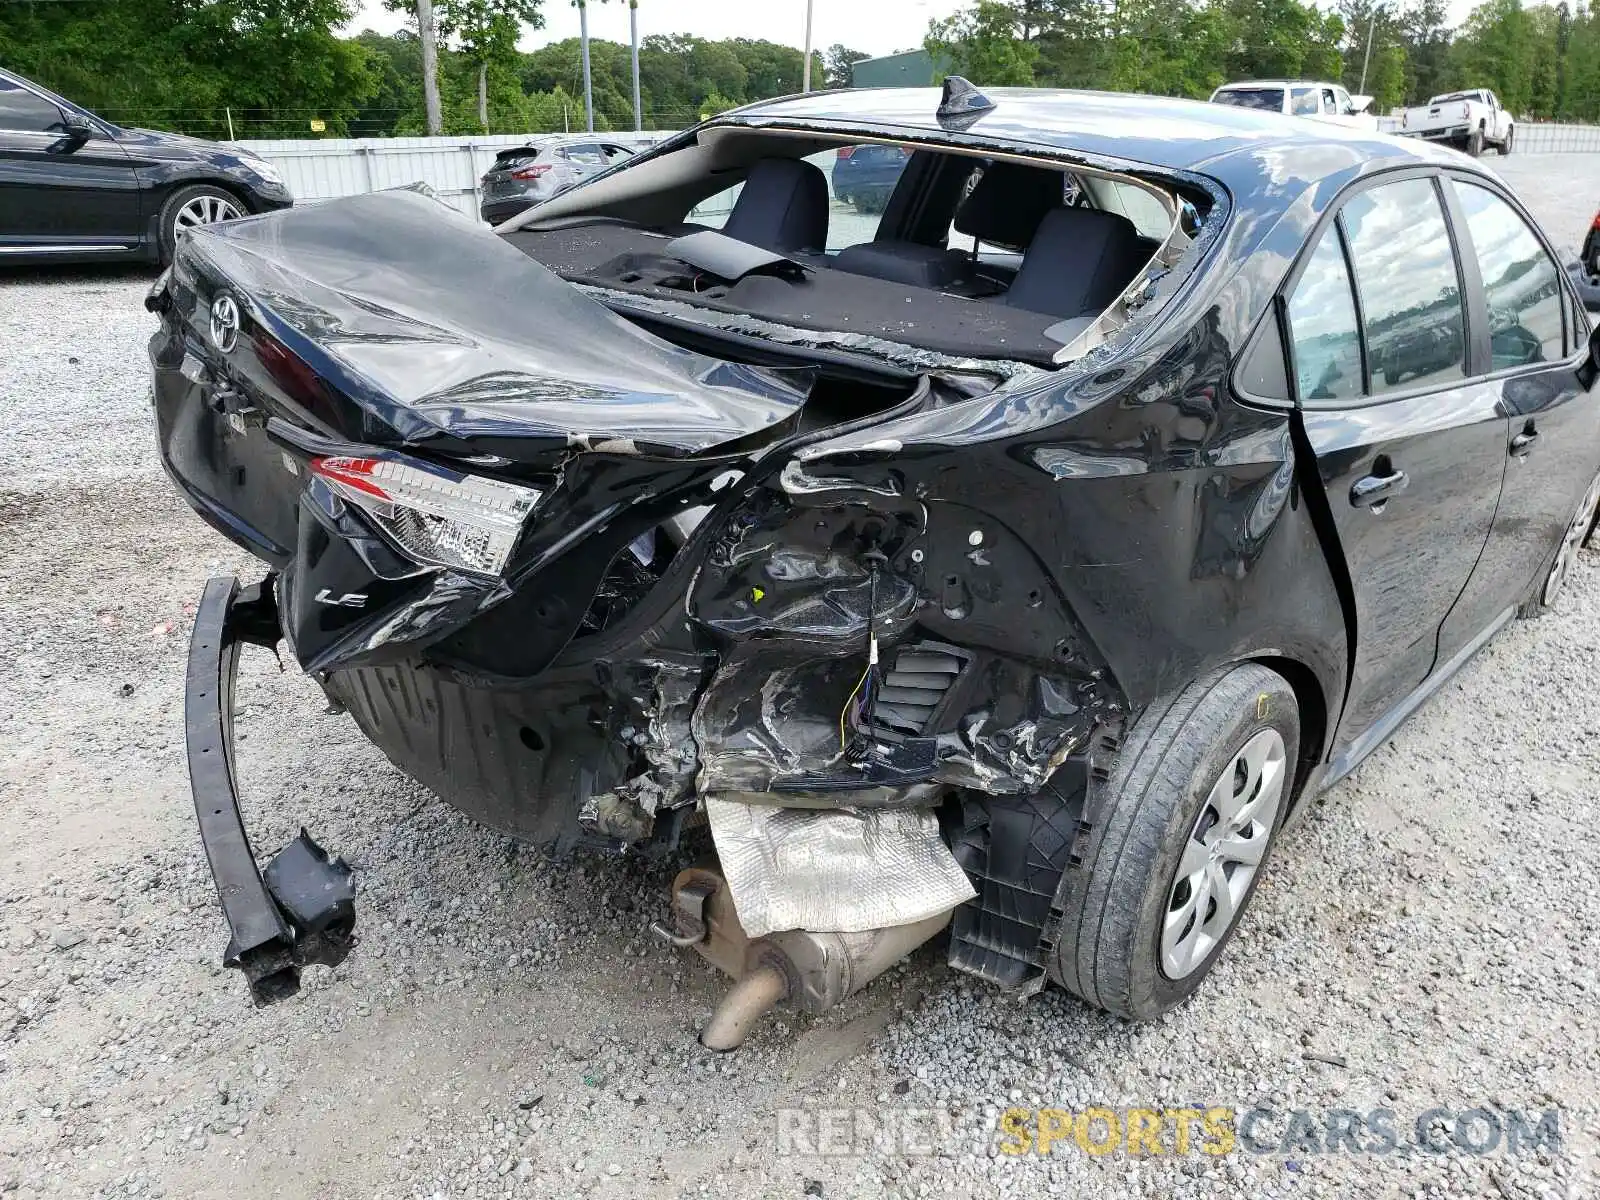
<point>435,515</point>
<point>532,171</point>
<point>1466,110</point>
<point>1595,224</point>
<point>844,152</point>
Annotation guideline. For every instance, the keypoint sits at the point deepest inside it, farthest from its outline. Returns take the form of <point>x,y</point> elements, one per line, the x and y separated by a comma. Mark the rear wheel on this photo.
<point>1580,533</point>
<point>1475,143</point>
<point>194,206</point>
<point>1197,795</point>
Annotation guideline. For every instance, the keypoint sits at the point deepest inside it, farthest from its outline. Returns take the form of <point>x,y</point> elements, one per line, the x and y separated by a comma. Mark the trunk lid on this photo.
<point>391,320</point>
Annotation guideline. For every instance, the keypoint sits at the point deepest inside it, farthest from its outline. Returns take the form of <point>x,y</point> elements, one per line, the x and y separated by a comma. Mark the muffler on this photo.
<point>812,970</point>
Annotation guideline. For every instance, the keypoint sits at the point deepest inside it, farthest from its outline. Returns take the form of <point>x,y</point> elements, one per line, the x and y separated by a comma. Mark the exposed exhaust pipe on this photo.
<point>815,971</point>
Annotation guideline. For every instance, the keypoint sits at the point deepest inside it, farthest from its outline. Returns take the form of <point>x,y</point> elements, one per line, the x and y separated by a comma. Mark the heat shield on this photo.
<point>833,870</point>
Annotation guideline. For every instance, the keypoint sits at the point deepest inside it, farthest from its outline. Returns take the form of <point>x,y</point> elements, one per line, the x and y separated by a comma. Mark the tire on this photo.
<point>1505,146</point>
<point>1475,143</point>
<point>1580,532</point>
<point>1160,804</point>
<point>189,206</point>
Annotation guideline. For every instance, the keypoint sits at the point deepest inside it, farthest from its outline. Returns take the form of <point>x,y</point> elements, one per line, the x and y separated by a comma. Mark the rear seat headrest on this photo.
<point>1079,261</point>
<point>1008,202</point>
<point>783,207</point>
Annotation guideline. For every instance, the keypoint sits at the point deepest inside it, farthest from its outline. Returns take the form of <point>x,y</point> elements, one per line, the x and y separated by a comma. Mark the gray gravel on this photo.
<point>507,1027</point>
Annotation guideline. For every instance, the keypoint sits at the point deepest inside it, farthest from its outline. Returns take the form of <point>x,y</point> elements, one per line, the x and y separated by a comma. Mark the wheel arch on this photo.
<point>220,182</point>
<point>1311,696</point>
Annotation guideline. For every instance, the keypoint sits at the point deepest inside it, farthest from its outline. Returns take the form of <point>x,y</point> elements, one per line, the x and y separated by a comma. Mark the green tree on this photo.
<point>273,65</point>
<point>983,43</point>
<point>1495,49</point>
<point>836,63</point>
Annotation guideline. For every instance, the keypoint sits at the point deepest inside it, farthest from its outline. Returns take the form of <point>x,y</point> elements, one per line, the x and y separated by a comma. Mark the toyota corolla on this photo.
<point>1009,569</point>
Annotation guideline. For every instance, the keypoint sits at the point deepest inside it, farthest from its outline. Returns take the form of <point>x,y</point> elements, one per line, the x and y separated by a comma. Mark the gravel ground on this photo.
<point>507,1026</point>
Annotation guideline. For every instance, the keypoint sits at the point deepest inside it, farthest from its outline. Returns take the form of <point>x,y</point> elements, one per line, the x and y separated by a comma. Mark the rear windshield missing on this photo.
<point>1266,99</point>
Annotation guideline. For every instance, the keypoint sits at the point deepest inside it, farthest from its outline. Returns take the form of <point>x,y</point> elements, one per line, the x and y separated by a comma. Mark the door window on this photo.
<point>1329,104</point>
<point>1303,102</point>
<point>585,154</point>
<point>21,110</point>
<point>1344,106</point>
<point>1521,285</point>
<point>1322,326</point>
<point>1409,287</point>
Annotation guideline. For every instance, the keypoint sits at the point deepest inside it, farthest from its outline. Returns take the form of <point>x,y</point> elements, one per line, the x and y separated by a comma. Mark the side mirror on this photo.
<point>78,130</point>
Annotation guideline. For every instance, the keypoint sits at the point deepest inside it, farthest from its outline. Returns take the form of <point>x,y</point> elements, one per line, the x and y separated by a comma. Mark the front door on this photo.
<point>1410,448</point>
<point>57,191</point>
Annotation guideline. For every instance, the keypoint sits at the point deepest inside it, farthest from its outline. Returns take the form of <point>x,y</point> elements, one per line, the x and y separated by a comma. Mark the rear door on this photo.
<point>1410,449</point>
<point>1537,349</point>
<point>58,192</point>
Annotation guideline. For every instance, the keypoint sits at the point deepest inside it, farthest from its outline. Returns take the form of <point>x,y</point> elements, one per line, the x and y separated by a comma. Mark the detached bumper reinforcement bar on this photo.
<point>302,909</point>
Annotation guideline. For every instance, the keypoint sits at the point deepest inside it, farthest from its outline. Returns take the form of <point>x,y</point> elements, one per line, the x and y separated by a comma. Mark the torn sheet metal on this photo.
<point>836,870</point>
<point>441,332</point>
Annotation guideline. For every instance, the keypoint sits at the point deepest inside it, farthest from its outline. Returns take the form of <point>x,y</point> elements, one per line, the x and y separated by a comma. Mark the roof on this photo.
<point>1180,135</point>
<point>1250,83</point>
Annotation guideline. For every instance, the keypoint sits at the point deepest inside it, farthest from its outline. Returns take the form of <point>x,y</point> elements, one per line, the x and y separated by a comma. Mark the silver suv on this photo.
<point>522,176</point>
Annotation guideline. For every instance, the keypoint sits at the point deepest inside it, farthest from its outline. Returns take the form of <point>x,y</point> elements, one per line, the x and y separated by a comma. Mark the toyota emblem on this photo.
<point>224,322</point>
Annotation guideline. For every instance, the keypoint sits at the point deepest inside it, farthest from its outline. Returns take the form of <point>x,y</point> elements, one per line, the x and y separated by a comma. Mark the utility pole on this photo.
<point>588,83</point>
<point>805,70</point>
<point>633,30</point>
<point>1366,55</point>
<point>430,67</point>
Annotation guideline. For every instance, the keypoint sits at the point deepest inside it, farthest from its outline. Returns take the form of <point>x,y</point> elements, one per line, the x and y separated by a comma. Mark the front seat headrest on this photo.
<point>783,207</point>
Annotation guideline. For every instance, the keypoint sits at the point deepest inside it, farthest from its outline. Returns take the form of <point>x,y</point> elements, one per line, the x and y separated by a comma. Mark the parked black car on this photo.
<point>76,188</point>
<point>864,176</point>
<point>1026,596</point>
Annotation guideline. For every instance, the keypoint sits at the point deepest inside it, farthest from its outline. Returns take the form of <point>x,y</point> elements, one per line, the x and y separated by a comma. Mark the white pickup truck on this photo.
<point>1468,120</point>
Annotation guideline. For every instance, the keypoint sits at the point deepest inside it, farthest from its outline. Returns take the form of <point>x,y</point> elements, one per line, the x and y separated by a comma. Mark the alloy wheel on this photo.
<point>205,210</point>
<point>1223,853</point>
<point>1570,544</point>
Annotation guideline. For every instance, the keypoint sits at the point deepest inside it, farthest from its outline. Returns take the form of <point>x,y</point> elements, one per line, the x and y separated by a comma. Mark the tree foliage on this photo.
<point>275,66</point>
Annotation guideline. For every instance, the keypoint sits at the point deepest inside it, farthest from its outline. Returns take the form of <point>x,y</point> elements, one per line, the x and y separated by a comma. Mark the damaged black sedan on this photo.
<point>1015,563</point>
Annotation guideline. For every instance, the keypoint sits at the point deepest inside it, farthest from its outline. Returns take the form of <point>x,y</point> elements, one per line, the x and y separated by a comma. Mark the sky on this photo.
<point>872,26</point>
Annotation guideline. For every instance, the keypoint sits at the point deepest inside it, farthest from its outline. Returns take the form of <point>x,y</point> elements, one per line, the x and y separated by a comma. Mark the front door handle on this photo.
<point>1523,442</point>
<point>1375,490</point>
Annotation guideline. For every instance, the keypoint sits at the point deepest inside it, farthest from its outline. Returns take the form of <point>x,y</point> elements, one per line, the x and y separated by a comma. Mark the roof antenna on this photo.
<point>961,102</point>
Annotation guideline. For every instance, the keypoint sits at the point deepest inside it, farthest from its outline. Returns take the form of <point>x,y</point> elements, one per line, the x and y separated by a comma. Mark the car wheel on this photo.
<point>1475,143</point>
<point>1580,533</point>
<point>1195,799</point>
<point>1505,146</point>
<point>190,207</point>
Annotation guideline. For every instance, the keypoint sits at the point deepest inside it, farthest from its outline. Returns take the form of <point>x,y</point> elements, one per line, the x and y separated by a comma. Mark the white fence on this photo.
<point>322,169</point>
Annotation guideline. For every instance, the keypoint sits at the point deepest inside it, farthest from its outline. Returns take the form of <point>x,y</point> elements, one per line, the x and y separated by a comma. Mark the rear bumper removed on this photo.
<point>301,910</point>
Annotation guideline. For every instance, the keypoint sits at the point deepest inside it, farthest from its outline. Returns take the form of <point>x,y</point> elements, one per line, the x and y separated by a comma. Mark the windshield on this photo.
<point>1268,99</point>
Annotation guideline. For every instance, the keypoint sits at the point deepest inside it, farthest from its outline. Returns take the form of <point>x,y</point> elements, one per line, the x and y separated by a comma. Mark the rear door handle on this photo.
<point>1523,442</point>
<point>1374,491</point>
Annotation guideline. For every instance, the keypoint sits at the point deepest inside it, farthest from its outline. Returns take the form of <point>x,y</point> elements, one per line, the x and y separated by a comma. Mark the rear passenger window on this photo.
<point>1521,285</point>
<point>1410,291</point>
<point>1322,326</point>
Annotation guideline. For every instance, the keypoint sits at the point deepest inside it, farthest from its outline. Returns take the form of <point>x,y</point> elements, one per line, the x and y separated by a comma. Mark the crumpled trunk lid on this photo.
<point>387,324</point>
<point>389,319</point>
